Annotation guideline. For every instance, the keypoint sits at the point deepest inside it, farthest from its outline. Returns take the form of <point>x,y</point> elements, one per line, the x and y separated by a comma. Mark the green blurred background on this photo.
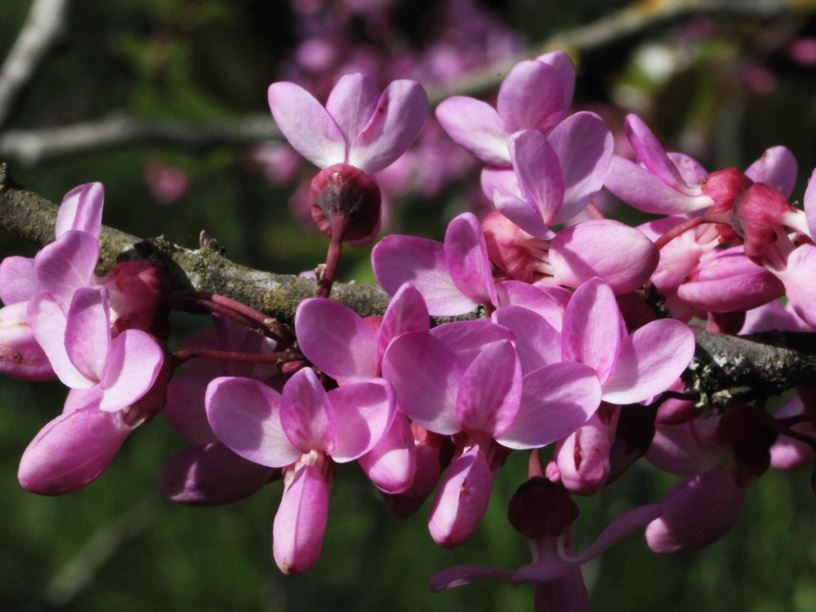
<point>722,89</point>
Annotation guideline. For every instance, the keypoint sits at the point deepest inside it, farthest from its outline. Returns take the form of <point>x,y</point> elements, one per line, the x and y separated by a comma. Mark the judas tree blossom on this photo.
<point>303,430</point>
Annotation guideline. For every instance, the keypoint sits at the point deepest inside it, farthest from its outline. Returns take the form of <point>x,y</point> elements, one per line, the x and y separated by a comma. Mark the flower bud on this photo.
<point>20,355</point>
<point>582,458</point>
<point>345,190</point>
<point>136,291</point>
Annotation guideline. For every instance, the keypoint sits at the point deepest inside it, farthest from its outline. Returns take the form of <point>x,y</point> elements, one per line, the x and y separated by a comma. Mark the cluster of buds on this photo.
<point>567,350</point>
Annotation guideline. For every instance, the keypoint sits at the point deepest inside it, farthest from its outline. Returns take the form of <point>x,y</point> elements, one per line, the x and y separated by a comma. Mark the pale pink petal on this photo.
<point>566,72</point>
<point>556,400</point>
<point>639,188</point>
<point>538,170</point>
<point>393,127</point>
<point>618,254</point>
<point>363,412</point>
<point>531,297</point>
<point>306,124</point>
<point>18,280</point>
<point>689,168</point>
<point>502,180</point>
<point>777,167</point>
<point>67,264</point>
<point>467,339</point>
<point>81,209</point>
<point>461,500</point>
<point>184,409</point>
<point>82,398</point>
<point>531,97</point>
<point>408,259</point>
<point>463,575</point>
<point>475,126</point>
<point>466,259</point>
<point>336,339</point>
<point>523,213</point>
<point>211,475</point>
<point>810,204</point>
<point>245,415</point>
<point>649,362</point>
<point>391,464</point>
<point>306,413</point>
<point>21,356</point>
<point>799,282</point>
<point>351,103</point>
<point>87,332</point>
<point>593,328</point>
<point>48,324</point>
<point>490,390</point>
<point>583,145</point>
<point>71,451</point>
<point>425,375</point>
<point>651,154</point>
<point>134,361</point>
<point>406,312</point>
<point>537,342</point>
<point>300,522</point>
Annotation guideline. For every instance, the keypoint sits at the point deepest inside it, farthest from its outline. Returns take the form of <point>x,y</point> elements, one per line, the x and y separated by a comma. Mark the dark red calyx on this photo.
<point>541,509</point>
<point>757,212</point>
<point>345,190</point>
<point>723,186</point>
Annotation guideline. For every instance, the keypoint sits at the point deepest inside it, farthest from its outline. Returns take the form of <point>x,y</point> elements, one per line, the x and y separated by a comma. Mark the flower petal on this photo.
<point>406,312</point>
<point>475,126</point>
<point>87,332</point>
<point>619,528</point>
<point>81,209</point>
<point>467,339</point>
<point>21,356</point>
<point>532,297</point>
<point>649,362</point>
<point>537,342</point>
<point>336,339</point>
<point>810,204</point>
<point>539,174</point>
<point>18,280</point>
<point>566,72</point>
<point>351,103</point>
<point>184,409</point>
<point>777,168</point>
<point>531,97</point>
<point>392,463</point>
<point>245,415</point>
<point>306,124</point>
<point>425,375</point>
<point>651,154</point>
<point>408,259</point>
<point>556,400</point>
<point>363,412</point>
<point>393,127</point>
<point>523,213</point>
<point>306,413</point>
<point>134,362</point>
<point>467,261</point>
<point>462,575</point>
<point>66,265</point>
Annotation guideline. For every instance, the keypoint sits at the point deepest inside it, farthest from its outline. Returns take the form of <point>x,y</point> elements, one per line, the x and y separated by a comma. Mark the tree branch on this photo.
<point>725,368</point>
<point>43,27</point>
<point>33,146</point>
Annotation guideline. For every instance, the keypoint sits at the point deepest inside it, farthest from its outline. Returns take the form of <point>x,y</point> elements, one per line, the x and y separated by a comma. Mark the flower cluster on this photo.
<point>570,331</point>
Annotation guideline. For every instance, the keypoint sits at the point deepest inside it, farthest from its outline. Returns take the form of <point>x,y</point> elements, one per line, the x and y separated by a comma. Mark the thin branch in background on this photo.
<point>45,24</point>
<point>117,131</point>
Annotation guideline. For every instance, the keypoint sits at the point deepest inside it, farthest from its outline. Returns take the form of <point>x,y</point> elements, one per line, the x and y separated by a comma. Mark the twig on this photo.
<point>42,29</point>
<point>37,145</point>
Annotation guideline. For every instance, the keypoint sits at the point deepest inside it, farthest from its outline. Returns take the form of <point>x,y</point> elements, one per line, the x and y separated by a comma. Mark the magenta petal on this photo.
<point>618,254</point>
<point>582,458</point>
<point>425,375</point>
<point>407,259</point>
<point>475,126</point>
<point>810,204</point>
<point>81,209</point>
<point>406,312</point>
<point>691,171</point>
<point>391,464</point>
<point>306,124</point>
<point>467,339</point>
<point>649,362</point>
<point>300,523</point>
<point>351,103</point>
<point>556,400</point>
<point>539,173</point>
<point>583,145</point>
<point>18,280</point>
<point>336,339</point>
<point>777,168</point>
<point>798,280</point>
<point>490,390</point>
<point>363,412</point>
<point>87,332</point>
<point>687,448</point>
<point>393,127</point>
<point>537,342</point>
<point>134,362</point>
<point>619,528</point>
<point>542,571</point>
<point>21,356</point>
<point>67,264</point>
<point>532,297</point>
<point>466,259</point>
<point>461,500</point>
<point>211,475</point>
<point>184,409</point>
<point>306,413</point>
<point>523,213</point>
<point>651,154</point>
<point>245,415</point>
<point>71,451</point>
<point>566,72</point>
<point>593,328</point>
<point>531,97</point>
<point>643,190</point>
<point>462,575</point>
<point>48,325</point>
